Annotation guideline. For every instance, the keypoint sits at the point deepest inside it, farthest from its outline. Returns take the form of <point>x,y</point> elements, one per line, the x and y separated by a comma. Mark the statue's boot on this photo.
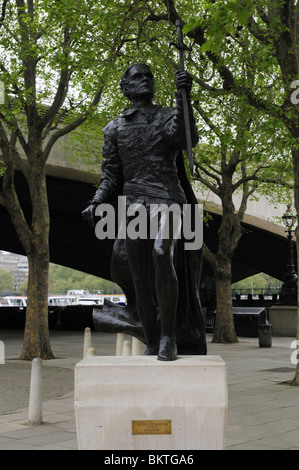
<point>167,349</point>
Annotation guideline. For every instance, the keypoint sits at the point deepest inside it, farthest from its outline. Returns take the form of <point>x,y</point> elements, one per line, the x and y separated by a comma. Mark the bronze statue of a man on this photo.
<point>142,160</point>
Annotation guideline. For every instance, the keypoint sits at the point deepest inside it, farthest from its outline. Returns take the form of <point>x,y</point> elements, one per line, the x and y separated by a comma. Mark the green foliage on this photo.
<point>258,282</point>
<point>93,42</point>
<point>229,122</point>
<point>23,287</point>
<point>6,281</point>
<point>62,279</point>
<point>59,56</point>
<point>221,19</point>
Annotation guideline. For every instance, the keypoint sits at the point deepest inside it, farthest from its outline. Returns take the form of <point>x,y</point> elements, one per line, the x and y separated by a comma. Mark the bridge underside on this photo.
<point>73,243</point>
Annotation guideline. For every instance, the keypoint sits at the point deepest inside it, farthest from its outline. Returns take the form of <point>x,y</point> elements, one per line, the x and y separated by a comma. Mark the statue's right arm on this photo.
<point>111,174</point>
<point>111,167</point>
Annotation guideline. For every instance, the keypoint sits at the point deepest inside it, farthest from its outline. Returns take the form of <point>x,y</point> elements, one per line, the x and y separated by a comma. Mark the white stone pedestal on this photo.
<point>140,403</point>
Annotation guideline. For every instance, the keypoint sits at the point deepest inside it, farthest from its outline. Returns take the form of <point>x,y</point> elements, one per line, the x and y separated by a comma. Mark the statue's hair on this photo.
<point>124,78</point>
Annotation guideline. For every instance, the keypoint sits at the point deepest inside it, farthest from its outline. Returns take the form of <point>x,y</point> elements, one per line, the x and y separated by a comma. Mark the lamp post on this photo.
<point>288,294</point>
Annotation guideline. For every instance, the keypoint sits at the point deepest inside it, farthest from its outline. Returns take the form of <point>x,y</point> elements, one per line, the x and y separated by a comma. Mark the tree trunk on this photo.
<point>224,331</point>
<point>36,335</point>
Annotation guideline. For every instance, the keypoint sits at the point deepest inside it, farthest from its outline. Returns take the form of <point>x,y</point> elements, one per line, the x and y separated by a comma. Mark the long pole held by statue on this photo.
<point>181,48</point>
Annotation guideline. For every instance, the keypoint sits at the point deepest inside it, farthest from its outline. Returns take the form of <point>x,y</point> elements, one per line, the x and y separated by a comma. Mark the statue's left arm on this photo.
<point>175,127</point>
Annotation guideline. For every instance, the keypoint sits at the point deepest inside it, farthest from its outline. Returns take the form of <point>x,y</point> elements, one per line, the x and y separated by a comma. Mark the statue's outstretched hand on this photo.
<point>89,214</point>
<point>184,80</point>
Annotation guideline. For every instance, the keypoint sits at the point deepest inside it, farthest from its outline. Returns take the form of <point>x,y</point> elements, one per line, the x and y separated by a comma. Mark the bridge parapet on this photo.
<point>260,214</point>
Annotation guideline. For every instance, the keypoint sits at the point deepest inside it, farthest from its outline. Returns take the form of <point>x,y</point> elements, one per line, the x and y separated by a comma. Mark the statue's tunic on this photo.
<point>140,152</point>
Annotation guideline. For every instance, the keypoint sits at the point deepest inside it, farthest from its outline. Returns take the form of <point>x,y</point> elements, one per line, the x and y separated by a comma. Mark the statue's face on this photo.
<point>140,83</point>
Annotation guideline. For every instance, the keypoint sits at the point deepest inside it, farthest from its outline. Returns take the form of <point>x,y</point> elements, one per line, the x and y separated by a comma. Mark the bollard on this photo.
<point>35,397</point>
<point>135,346</point>
<point>119,344</point>
<point>127,348</point>
<point>87,341</point>
<point>265,335</point>
<point>2,353</point>
<point>91,352</point>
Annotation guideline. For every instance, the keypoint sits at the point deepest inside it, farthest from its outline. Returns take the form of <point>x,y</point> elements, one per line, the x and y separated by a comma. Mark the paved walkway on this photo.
<point>263,411</point>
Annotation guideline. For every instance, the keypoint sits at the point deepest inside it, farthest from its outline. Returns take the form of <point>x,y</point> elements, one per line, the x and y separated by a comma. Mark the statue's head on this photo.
<point>138,80</point>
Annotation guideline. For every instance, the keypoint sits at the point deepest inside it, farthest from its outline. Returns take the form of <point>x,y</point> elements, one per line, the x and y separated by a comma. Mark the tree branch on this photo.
<point>252,177</point>
<point>204,181</point>
<point>209,255</point>
<point>208,173</point>
<point>275,181</point>
<point>215,170</point>
<point>62,88</point>
<point>294,27</point>
<point>8,196</point>
<point>14,125</point>
<point>72,126</point>
<point>264,36</point>
<point>3,12</point>
<point>58,101</point>
<point>208,121</point>
<point>239,215</point>
<point>2,200</point>
<point>53,124</point>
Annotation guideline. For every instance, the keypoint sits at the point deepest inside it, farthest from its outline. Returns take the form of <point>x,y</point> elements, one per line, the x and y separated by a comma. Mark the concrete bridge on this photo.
<point>71,184</point>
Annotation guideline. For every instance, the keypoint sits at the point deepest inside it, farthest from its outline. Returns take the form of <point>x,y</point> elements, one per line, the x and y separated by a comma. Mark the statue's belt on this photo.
<point>154,192</point>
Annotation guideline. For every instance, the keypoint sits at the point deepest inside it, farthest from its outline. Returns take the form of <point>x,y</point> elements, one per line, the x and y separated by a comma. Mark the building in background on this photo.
<point>17,265</point>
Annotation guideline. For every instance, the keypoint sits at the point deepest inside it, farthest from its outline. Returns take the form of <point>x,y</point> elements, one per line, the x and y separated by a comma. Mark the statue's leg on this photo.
<point>166,285</point>
<point>139,254</point>
<point>121,275</point>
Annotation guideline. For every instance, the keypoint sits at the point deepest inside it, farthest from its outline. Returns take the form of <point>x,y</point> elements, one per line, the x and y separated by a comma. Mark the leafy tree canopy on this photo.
<point>62,279</point>
<point>6,281</point>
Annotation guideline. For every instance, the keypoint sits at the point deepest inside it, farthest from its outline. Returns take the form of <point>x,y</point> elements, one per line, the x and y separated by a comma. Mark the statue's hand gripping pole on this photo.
<point>181,48</point>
